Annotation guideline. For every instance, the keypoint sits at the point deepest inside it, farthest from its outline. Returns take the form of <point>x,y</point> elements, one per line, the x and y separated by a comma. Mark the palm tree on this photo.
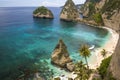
<point>81,71</point>
<point>103,53</point>
<point>85,52</point>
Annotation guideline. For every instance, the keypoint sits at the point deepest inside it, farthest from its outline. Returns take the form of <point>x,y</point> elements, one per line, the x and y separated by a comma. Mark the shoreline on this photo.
<point>96,57</point>
<point>109,46</point>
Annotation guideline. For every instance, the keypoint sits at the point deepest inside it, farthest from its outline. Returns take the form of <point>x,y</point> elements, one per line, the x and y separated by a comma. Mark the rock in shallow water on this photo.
<point>60,55</point>
<point>70,66</point>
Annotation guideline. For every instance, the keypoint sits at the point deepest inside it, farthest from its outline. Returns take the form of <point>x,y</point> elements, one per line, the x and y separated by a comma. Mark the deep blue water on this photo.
<point>24,40</point>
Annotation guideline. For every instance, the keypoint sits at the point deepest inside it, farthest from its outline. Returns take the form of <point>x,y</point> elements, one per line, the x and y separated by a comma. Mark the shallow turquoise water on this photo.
<point>25,40</point>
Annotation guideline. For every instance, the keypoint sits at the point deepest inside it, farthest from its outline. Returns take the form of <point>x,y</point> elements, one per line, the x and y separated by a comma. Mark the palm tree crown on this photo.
<point>81,71</point>
<point>103,53</point>
<point>85,52</point>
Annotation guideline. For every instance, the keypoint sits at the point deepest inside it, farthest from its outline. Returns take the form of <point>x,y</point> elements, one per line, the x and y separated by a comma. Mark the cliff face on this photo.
<point>111,14</point>
<point>69,11</point>
<point>114,67</point>
<point>42,12</point>
<point>108,11</point>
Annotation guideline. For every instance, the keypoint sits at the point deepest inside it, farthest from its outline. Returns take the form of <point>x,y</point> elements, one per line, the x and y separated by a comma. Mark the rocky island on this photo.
<point>69,11</point>
<point>60,56</point>
<point>97,13</point>
<point>43,12</point>
<point>33,60</point>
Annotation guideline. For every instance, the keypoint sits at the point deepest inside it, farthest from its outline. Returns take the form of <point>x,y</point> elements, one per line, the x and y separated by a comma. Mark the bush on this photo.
<point>83,73</point>
<point>91,8</point>
<point>98,18</point>
<point>104,67</point>
<point>111,5</point>
<point>42,10</point>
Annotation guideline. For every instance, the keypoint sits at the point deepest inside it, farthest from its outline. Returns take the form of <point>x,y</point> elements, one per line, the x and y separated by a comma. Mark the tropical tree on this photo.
<point>85,52</point>
<point>103,53</point>
<point>82,72</point>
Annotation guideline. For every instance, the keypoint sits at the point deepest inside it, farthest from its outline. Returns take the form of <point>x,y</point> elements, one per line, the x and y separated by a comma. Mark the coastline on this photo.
<point>109,46</point>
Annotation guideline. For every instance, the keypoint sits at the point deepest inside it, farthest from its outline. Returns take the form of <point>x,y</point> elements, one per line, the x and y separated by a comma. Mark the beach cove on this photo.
<point>94,60</point>
<point>27,42</point>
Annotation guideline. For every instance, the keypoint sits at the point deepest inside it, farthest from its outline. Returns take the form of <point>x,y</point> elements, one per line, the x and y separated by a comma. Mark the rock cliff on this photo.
<point>43,12</point>
<point>103,12</point>
<point>69,11</point>
<point>106,12</point>
<point>60,55</point>
<point>111,14</point>
<point>114,67</point>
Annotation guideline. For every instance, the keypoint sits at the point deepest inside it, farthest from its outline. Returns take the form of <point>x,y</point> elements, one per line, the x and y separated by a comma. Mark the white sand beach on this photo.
<point>109,47</point>
<point>96,60</point>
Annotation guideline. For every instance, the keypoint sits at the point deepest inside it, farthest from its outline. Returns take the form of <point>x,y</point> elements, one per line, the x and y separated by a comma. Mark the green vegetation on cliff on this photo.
<point>111,5</point>
<point>104,66</point>
<point>98,18</point>
<point>91,8</point>
<point>103,69</point>
<point>42,10</point>
<point>99,10</point>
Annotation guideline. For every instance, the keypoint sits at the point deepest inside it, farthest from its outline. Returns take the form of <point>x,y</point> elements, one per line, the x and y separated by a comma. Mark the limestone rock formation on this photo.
<point>43,12</point>
<point>60,56</point>
<point>115,62</point>
<point>70,66</point>
<point>103,12</point>
<point>111,14</point>
<point>69,11</point>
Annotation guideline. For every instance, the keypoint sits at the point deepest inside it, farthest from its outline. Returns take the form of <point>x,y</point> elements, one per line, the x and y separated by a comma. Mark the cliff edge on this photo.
<point>103,12</point>
<point>114,67</point>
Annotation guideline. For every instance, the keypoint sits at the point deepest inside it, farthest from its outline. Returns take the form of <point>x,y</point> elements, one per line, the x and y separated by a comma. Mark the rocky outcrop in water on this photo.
<point>69,11</point>
<point>103,12</point>
<point>70,66</point>
<point>60,55</point>
<point>43,12</point>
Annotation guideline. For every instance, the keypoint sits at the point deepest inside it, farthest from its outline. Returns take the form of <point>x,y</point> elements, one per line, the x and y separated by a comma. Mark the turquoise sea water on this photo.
<point>25,40</point>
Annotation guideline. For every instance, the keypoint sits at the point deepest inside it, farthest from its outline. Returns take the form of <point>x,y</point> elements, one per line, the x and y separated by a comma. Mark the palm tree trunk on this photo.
<point>86,62</point>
